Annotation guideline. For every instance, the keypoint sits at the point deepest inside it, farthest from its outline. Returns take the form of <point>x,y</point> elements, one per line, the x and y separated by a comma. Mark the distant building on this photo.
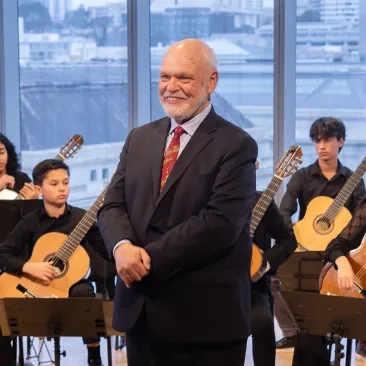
<point>341,11</point>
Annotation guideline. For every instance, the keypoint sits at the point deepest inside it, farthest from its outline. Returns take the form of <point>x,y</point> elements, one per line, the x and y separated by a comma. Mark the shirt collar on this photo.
<point>191,126</point>
<point>68,209</point>
<point>315,169</point>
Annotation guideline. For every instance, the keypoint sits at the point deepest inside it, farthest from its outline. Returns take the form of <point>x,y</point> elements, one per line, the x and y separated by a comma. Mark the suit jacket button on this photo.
<point>152,232</point>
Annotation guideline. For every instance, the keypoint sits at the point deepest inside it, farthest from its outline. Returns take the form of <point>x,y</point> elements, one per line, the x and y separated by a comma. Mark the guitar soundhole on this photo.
<point>322,225</point>
<point>60,266</point>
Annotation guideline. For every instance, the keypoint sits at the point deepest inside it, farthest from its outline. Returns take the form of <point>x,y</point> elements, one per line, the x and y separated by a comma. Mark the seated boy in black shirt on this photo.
<point>51,179</point>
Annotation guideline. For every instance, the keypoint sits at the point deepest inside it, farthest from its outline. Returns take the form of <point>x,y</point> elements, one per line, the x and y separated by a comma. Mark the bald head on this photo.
<point>188,76</point>
<point>196,51</point>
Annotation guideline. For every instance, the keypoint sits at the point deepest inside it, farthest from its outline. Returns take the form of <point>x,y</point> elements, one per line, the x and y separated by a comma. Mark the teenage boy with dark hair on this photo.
<point>51,179</point>
<point>325,177</point>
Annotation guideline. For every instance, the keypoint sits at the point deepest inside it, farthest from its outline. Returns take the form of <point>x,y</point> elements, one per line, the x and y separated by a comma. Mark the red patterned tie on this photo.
<point>171,155</point>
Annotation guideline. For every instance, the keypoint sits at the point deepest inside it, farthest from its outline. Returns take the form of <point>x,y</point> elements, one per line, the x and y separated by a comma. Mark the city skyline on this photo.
<point>76,3</point>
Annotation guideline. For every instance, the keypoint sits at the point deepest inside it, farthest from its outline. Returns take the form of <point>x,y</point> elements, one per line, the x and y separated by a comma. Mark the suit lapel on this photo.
<point>157,154</point>
<point>197,142</point>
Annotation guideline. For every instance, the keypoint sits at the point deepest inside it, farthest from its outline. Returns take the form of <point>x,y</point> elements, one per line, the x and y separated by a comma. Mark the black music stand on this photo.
<point>333,316</point>
<point>53,318</point>
<point>301,271</point>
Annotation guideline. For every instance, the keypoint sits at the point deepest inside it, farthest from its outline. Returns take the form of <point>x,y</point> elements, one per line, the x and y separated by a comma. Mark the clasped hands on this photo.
<point>132,263</point>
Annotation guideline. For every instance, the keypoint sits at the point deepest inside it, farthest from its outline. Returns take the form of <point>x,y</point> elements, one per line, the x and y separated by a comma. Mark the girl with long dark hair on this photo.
<point>11,176</point>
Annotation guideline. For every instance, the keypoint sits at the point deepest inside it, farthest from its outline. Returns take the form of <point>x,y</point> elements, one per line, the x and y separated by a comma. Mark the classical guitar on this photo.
<point>328,280</point>
<point>68,150</point>
<point>70,260</point>
<point>325,217</point>
<point>287,165</point>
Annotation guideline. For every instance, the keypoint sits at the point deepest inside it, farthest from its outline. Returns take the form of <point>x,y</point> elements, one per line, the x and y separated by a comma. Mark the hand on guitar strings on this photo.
<point>43,271</point>
<point>346,275</point>
<point>6,181</point>
<point>29,192</point>
<point>132,263</point>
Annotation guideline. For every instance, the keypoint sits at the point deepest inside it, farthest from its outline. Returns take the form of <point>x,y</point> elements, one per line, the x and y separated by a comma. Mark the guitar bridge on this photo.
<point>360,289</point>
<point>26,292</point>
<point>30,294</point>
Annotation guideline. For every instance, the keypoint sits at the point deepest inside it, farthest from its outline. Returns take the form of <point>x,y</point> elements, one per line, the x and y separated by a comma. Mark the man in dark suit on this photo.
<point>176,221</point>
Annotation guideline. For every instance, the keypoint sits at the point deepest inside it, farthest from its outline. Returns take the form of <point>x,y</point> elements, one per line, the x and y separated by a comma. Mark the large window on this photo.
<point>331,73</point>
<point>73,80</point>
<point>244,94</point>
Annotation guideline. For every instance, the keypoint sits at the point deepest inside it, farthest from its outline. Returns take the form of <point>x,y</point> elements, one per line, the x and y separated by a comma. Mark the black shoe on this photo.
<point>286,342</point>
<point>95,363</point>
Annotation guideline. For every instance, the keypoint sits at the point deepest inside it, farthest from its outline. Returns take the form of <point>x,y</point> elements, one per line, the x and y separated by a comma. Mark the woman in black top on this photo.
<point>10,175</point>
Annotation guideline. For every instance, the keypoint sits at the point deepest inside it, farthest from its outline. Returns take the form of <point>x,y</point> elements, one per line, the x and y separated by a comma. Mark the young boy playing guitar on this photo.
<point>51,180</point>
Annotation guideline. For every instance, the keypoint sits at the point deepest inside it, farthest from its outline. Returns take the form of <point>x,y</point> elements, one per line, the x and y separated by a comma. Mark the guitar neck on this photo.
<point>77,235</point>
<point>263,203</point>
<point>346,191</point>
<point>59,156</point>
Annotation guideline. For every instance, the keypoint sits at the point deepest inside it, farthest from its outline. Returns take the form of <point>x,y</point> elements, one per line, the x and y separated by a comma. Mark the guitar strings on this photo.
<point>265,198</point>
<point>333,210</point>
<point>361,272</point>
<point>78,229</point>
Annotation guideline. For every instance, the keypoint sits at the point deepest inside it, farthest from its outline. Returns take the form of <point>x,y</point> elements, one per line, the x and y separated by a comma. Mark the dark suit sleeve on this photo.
<point>12,247</point>
<point>96,241</point>
<point>113,220</point>
<point>283,234</point>
<point>217,226</point>
<point>350,238</point>
<point>288,204</point>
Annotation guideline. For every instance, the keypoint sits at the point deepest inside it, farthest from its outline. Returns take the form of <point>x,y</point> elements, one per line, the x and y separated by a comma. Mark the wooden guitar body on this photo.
<point>256,261</point>
<point>67,274</point>
<point>328,281</point>
<point>313,234</point>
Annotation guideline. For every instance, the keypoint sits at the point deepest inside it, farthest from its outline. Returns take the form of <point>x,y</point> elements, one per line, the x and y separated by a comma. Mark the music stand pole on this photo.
<point>108,315</point>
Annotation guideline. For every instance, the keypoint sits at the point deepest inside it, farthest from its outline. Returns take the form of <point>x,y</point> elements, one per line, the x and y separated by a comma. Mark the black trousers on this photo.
<point>263,333</point>
<point>81,289</point>
<point>143,349</point>
<point>310,350</point>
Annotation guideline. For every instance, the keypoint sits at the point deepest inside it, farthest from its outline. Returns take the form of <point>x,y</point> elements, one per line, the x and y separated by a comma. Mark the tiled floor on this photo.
<point>77,354</point>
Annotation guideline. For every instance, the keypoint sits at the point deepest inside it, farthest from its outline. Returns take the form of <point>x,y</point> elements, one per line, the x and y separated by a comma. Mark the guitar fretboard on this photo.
<point>59,157</point>
<point>346,192</point>
<point>263,203</point>
<point>77,235</point>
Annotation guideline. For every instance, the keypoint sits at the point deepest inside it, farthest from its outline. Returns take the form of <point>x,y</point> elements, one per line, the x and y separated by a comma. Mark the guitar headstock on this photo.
<point>71,147</point>
<point>289,162</point>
